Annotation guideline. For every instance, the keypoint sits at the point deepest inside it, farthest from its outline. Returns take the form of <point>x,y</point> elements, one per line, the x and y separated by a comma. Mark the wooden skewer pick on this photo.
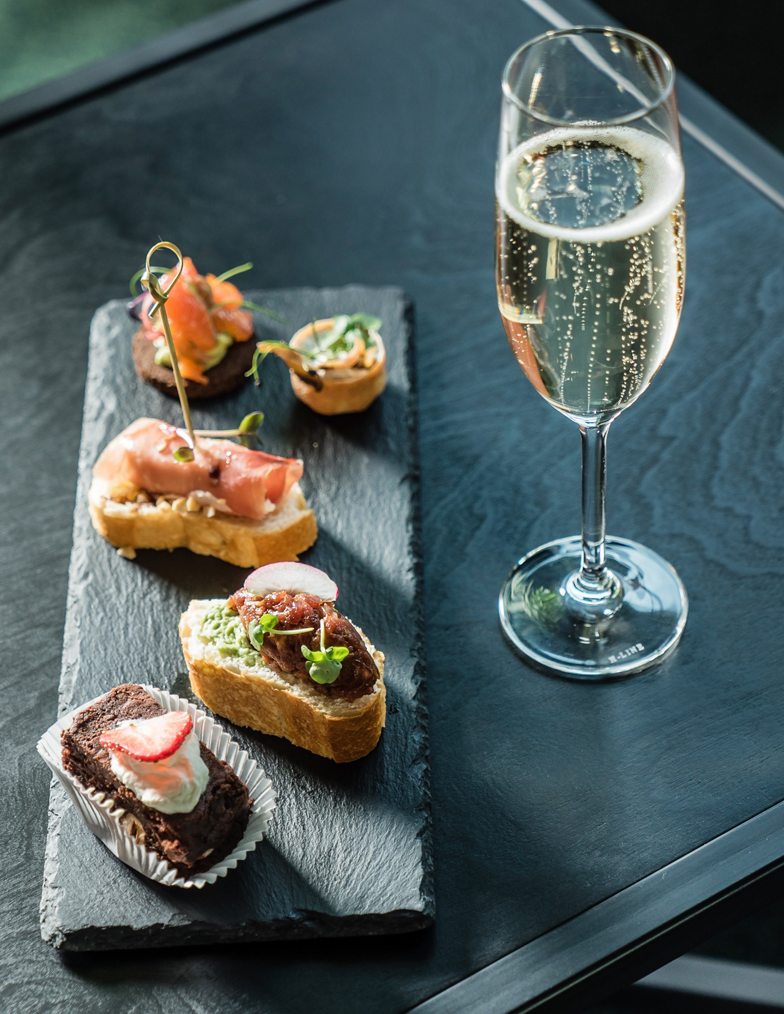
<point>150,281</point>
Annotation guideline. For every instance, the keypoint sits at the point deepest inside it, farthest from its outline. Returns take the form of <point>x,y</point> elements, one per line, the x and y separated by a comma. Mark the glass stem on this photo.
<point>593,593</point>
<point>594,447</point>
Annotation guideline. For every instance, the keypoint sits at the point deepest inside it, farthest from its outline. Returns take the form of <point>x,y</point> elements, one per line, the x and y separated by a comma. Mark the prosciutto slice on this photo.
<point>251,482</point>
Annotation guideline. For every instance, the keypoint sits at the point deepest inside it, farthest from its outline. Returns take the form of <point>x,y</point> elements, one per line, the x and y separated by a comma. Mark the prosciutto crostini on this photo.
<point>229,501</point>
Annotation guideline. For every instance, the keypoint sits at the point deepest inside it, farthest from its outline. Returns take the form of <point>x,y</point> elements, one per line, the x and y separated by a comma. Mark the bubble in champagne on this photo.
<point>579,184</point>
<point>590,263</point>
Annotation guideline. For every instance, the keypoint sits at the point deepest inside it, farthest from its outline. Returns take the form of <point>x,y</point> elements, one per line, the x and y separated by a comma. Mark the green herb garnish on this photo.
<point>258,628</point>
<point>325,346</point>
<point>265,624</point>
<point>324,666</point>
<point>263,309</point>
<point>261,354</point>
<point>340,338</point>
<point>246,303</point>
<point>234,271</point>
<point>247,431</point>
<point>258,359</point>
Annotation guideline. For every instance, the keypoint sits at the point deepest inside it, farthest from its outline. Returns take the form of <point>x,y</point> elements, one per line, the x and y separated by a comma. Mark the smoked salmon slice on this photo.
<point>251,482</point>
<point>198,308</point>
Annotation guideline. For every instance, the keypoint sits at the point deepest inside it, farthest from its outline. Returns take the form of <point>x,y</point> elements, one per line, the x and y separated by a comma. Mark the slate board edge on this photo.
<point>315,924</point>
<point>427,888</point>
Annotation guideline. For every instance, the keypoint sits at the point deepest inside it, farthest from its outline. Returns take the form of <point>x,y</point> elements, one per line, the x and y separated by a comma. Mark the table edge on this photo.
<point>633,931</point>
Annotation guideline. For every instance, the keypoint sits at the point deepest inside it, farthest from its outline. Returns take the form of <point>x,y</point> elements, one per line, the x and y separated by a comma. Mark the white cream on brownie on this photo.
<point>171,785</point>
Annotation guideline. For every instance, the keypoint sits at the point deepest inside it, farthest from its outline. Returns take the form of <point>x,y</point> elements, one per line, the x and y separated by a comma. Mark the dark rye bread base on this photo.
<point>188,842</point>
<point>228,375</point>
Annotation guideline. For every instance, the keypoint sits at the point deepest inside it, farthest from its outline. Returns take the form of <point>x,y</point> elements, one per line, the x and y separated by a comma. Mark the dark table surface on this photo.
<point>582,834</point>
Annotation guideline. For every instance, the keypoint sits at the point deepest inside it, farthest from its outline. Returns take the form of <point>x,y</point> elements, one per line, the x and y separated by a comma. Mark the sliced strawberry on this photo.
<point>152,739</point>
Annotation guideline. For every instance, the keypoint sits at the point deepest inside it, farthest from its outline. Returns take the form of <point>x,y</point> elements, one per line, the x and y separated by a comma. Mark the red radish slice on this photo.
<point>151,739</point>
<point>292,578</point>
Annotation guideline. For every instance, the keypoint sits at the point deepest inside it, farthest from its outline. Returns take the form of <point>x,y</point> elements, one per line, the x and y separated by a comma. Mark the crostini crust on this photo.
<point>245,542</point>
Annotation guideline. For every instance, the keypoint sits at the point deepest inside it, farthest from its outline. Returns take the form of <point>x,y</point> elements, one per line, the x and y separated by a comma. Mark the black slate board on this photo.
<point>348,850</point>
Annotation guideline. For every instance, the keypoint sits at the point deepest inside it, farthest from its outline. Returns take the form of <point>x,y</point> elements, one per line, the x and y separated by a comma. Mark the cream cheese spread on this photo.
<point>171,785</point>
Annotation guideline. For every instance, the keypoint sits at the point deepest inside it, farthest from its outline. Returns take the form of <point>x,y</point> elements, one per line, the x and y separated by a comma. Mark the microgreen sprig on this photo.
<point>247,430</point>
<point>324,666</point>
<point>327,344</point>
<point>263,309</point>
<point>266,624</point>
<point>246,303</point>
<point>340,337</point>
<point>234,271</point>
<point>263,349</point>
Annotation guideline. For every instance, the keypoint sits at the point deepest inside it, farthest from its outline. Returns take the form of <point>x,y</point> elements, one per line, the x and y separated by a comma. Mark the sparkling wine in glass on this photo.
<point>590,266</point>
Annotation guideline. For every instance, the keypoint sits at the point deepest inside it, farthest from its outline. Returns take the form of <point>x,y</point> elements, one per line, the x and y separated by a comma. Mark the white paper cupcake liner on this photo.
<point>105,823</point>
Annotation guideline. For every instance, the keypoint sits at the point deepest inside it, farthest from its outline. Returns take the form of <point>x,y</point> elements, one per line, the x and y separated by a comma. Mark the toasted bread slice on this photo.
<point>280,704</point>
<point>122,516</point>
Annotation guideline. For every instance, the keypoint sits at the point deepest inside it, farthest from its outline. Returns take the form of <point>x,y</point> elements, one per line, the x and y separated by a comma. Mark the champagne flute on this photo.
<point>590,266</point>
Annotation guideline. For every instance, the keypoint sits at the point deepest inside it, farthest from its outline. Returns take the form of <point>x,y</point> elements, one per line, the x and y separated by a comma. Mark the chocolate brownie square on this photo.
<point>189,842</point>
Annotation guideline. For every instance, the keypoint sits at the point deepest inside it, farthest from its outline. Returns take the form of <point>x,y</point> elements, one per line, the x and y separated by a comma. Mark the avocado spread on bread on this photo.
<point>224,628</point>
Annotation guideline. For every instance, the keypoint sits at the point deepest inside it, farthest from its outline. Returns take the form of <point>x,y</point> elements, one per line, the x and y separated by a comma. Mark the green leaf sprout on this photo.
<point>247,431</point>
<point>249,428</point>
<point>266,624</point>
<point>258,628</point>
<point>234,271</point>
<point>343,333</point>
<point>134,287</point>
<point>338,340</point>
<point>263,309</point>
<point>251,422</point>
<point>324,666</point>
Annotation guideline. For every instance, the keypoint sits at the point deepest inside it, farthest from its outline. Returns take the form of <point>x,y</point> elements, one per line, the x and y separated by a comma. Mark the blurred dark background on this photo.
<point>733,50</point>
<point>43,39</point>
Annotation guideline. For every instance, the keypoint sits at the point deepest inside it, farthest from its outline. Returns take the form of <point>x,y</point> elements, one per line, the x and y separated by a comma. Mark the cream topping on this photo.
<point>171,785</point>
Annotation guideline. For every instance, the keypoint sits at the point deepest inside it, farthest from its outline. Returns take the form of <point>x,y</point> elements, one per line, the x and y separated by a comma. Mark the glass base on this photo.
<point>645,628</point>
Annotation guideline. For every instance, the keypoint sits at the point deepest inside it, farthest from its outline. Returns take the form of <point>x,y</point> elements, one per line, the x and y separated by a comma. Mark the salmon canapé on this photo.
<point>204,313</point>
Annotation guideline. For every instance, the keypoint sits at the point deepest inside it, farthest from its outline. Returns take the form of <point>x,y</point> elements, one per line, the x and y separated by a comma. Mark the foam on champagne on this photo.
<point>659,176</point>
